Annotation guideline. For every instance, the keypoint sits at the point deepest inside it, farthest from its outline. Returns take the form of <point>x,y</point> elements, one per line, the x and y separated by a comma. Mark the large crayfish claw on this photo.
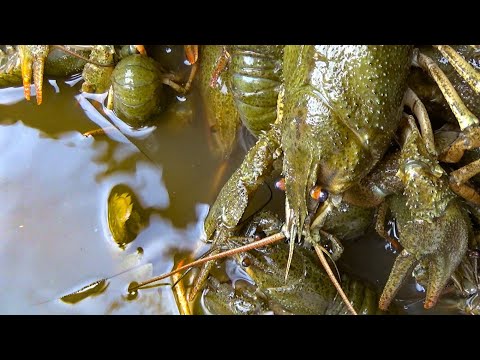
<point>433,224</point>
<point>439,245</point>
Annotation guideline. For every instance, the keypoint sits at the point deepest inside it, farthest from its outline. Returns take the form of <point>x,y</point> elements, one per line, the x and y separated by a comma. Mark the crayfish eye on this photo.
<point>259,235</point>
<point>246,262</point>
<point>319,194</point>
<point>280,184</point>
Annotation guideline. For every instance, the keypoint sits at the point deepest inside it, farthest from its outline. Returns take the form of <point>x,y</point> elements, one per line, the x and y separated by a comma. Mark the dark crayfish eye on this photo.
<point>246,262</point>
<point>259,235</point>
<point>319,194</point>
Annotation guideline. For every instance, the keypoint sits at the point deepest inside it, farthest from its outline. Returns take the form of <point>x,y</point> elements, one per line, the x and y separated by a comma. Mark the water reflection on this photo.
<point>55,235</point>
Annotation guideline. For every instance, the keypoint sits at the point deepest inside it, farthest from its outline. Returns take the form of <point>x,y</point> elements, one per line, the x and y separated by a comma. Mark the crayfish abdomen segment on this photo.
<point>256,72</point>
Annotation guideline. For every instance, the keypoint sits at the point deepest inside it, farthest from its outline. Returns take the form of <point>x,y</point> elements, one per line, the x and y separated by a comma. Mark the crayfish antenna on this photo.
<point>320,250</point>
<point>215,256</point>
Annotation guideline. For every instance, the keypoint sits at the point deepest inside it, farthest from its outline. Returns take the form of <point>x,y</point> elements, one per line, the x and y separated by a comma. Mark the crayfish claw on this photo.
<point>191,52</point>
<point>402,266</point>
<point>442,266</point>
<point>32,59</point>
<point>436,284</point>
<point>26,62</point>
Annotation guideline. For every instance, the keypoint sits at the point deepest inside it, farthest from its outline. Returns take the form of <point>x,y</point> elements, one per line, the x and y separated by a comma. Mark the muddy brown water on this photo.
<point>54,186</point>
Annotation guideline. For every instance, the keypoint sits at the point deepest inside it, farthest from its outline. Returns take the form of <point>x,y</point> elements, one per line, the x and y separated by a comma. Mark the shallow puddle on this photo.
<point>55,184</point>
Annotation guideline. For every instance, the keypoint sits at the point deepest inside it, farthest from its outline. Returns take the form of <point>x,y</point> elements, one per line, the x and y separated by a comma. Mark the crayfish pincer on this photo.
<point>433,224</point>
<point>341,106</point>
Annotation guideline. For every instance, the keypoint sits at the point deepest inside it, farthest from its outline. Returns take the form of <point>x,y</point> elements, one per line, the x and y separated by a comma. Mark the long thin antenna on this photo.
<point>266,241</point>
<point>319,250</point>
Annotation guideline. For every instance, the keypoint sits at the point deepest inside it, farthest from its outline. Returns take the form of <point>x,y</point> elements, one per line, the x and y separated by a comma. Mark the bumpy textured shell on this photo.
<point>256,72</point>
<point>137,88</point>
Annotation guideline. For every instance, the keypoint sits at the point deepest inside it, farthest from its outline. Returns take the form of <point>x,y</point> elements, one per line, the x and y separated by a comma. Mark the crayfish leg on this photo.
<point>418,108</point>
<point>468,139</point>
<point>459,178</point>
<point>468,122</point>
<point>180,293</point>
<point>191,52</point>
<point>464,116</point>
<point>464,69</point>
<point>179,88</point>
<point>233,199</point>
<point>403,265</point>
<point>222,63</point>
<point>26,61</point>
<point>201,278</point>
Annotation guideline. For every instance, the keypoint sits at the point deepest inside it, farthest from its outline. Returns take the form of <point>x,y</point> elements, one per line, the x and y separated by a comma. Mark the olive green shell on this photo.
<point>342,105</point>
<point>256,72</point>
<point>137,89</point>
<point>348,221</point>
<point>59,63</point>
